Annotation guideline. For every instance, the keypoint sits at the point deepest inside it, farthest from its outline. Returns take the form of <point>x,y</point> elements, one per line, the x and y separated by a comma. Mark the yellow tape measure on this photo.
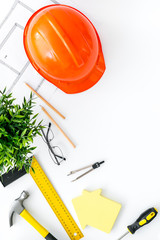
<point>55,201</point>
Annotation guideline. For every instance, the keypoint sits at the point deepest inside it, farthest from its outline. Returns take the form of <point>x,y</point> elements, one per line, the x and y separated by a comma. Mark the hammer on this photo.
<point>20,209</point>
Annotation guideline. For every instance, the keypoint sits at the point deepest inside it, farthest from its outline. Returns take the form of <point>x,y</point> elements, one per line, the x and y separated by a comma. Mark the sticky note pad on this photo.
<point>95,210</point>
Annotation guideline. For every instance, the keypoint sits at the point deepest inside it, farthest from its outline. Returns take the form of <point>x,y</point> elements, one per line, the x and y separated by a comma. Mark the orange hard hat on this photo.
<point>64,47</point>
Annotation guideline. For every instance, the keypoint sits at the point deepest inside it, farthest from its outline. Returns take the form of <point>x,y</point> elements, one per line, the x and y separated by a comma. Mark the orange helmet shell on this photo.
<point>64,47</point>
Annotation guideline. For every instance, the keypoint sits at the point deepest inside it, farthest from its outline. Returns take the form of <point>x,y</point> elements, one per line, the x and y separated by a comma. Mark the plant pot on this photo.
<point>11,176</point>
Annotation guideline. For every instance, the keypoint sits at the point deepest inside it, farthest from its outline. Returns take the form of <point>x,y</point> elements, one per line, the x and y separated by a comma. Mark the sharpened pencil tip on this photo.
<point>27,85</point>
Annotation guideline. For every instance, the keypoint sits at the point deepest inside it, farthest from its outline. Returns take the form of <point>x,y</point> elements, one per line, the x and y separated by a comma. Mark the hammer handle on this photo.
<point>28,217</point>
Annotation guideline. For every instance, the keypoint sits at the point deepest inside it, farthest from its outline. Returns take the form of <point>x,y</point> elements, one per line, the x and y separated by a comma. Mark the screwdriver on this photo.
<point>145,218</point>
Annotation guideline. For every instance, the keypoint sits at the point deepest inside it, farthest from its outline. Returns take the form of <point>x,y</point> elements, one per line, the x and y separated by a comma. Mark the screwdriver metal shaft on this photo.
<point>123,235</point>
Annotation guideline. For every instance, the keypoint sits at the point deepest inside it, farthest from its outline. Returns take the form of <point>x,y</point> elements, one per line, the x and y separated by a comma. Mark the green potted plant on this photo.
<point>18,128</point>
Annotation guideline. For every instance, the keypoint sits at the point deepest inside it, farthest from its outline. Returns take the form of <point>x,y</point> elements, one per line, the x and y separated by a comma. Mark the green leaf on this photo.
<point>17,133</point>
<point>35,115</point>
<point>39,133</point>
<point>32,148</point>
<point>33,170</point>
<point>24,132</point>
<point>30,133</point>
<point>17,121</point>
<point>30,139</point>
<point>33,123</point>
<point>10,113</point>
<point>19,116</point>
<point>4,90</point>
<point>8,154</point>
<point>24,142</point>
<point>1,118</point>
<point>20,110</point>
<point>7,120</point>
<point>25,102</point>
<point>31,95</point>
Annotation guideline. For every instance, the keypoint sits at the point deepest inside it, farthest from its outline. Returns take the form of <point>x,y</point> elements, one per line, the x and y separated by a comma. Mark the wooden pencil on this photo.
<point>56,124</point>
<point>45,101</point>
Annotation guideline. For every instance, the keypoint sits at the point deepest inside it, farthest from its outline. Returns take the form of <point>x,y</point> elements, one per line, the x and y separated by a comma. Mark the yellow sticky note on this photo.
<point>95,210</point>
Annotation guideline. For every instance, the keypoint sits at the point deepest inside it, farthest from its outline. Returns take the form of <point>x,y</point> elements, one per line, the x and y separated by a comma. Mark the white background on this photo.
<point>117,120</point>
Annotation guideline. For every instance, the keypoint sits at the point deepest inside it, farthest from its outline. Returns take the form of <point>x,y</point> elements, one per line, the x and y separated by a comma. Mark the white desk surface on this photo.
<point>118,120</point>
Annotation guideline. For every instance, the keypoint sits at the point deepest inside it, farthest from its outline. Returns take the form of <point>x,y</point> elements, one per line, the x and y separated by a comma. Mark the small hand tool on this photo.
<point>20,209</point>
<point>145,218</point>
<point>54,201</point>
<point>92,166</point>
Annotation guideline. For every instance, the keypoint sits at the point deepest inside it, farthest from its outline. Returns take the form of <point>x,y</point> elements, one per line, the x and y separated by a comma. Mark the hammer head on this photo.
<point>17,206</point>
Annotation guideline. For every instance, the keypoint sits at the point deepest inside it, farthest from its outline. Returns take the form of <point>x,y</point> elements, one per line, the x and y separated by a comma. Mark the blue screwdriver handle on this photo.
<point>143,219</point>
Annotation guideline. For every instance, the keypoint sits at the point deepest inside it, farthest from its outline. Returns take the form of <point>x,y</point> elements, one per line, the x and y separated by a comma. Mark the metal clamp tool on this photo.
<point>92,166</point>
